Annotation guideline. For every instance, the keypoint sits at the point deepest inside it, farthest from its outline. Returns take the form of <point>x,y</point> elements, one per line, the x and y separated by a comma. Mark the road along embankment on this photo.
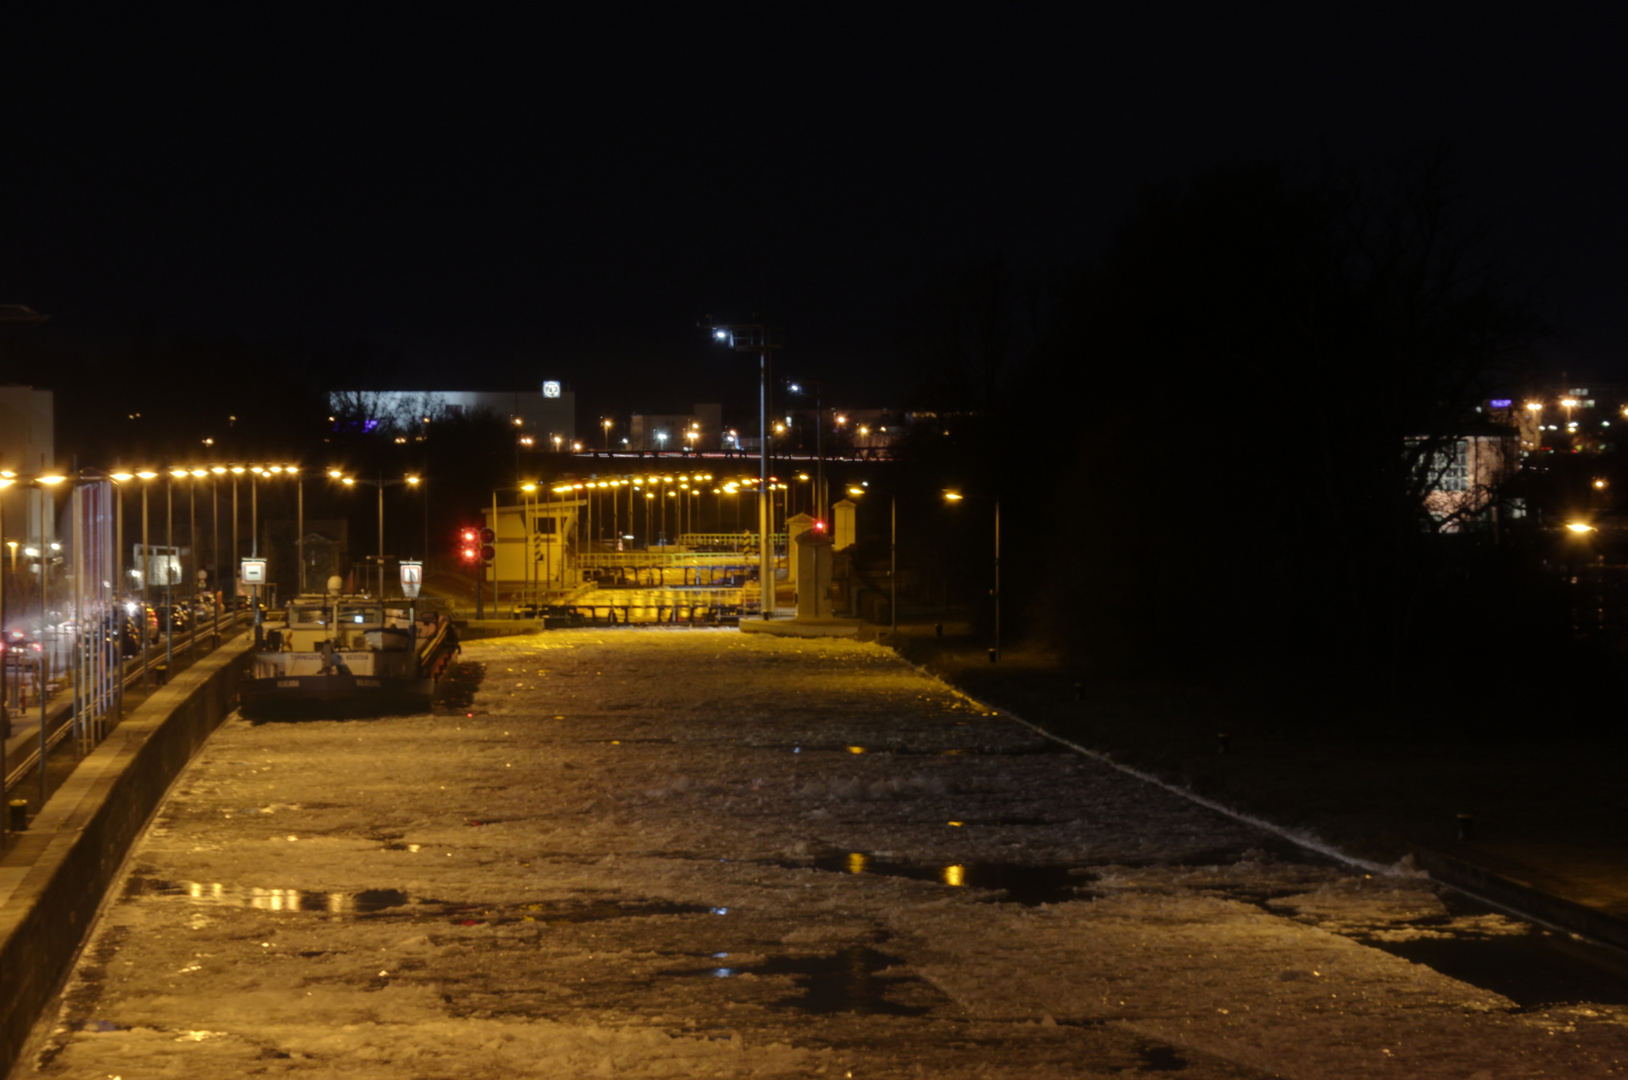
<point>53,880</point>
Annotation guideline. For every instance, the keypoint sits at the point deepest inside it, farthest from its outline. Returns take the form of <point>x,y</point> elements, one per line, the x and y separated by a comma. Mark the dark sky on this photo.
<point>498,197</point>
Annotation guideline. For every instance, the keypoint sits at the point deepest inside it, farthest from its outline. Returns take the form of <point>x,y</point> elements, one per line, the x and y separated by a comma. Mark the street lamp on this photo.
<point>748,338</point>
<point>955,497</point>
<point>606,424</point>
<point>819,449</point>
<point>411,480</point>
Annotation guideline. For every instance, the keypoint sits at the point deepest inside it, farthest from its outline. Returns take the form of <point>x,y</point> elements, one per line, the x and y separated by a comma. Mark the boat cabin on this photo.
<point>347,624</point>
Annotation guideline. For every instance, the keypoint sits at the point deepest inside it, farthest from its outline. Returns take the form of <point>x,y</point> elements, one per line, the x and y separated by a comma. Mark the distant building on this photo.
<point>547,413</point>
<point>1567,420</point>
<point>700,429</point>
<point>1463,480</point>
<point>27,445</point>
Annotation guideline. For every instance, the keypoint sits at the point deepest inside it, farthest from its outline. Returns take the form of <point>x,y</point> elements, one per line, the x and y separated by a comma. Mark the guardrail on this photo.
<point>59,717</point>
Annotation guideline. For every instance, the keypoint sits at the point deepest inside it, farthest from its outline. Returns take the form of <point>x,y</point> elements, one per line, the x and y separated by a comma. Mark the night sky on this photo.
<point>491,198</point>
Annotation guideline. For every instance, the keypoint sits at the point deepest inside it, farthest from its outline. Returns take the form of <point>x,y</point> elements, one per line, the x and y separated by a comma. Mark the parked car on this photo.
<point>18,654</point>
<point>176,618</point>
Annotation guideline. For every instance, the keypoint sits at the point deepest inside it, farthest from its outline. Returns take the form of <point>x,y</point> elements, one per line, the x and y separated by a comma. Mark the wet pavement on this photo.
<point>692,853</point>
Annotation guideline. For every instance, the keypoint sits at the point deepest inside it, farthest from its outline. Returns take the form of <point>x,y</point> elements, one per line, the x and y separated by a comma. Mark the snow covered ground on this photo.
<point>703,853</point>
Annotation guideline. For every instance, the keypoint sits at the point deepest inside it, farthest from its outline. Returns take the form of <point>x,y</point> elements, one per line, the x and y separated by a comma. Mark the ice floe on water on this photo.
<point>701,853</point>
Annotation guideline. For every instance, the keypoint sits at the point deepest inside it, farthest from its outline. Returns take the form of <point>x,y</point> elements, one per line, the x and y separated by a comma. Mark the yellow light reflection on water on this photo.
<point>856,749</point>
<point>857,862</point>
<point>954,875</point>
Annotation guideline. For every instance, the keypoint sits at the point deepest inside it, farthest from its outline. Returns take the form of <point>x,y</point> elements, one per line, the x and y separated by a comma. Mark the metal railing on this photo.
<point>71,714</point>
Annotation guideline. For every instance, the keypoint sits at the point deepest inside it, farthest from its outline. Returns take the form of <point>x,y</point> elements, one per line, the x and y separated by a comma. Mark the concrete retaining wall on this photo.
<point>1519,897</point>
<point>56,876</point>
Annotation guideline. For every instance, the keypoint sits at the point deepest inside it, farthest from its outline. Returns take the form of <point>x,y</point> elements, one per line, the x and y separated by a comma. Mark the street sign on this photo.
<point>412,576</point>
<point>254,572</point>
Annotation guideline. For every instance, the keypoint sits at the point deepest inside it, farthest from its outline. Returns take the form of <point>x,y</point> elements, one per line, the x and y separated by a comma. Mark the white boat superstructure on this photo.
<point>339,655</point>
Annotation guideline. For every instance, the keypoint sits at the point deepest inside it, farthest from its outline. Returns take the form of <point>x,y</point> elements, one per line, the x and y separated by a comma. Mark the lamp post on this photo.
<point>819,449</point>
<point>169,575</point>
<point>955,497</point>
<point>748,338</point>
<point>528,518</point>
<point>379,484</point>
<point>215,473</point>
<point>146,476</point>
<point>7,478</point>
<point>299,522</point>
<point>47,511</point>
<point>237,550</point>
<point>192,533</point>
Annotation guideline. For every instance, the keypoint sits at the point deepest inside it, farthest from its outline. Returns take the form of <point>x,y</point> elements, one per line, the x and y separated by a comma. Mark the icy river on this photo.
<point>675,853</point>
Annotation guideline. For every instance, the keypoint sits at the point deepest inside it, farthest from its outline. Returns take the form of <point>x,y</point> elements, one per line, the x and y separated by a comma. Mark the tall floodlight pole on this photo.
<point>754,337</point>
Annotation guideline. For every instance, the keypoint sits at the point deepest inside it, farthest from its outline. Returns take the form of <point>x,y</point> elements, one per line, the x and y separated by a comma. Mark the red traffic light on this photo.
<point>468,551</point>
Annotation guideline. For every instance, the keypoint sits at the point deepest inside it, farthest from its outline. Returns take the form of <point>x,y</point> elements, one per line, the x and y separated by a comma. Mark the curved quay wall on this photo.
<point>80,838</point>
